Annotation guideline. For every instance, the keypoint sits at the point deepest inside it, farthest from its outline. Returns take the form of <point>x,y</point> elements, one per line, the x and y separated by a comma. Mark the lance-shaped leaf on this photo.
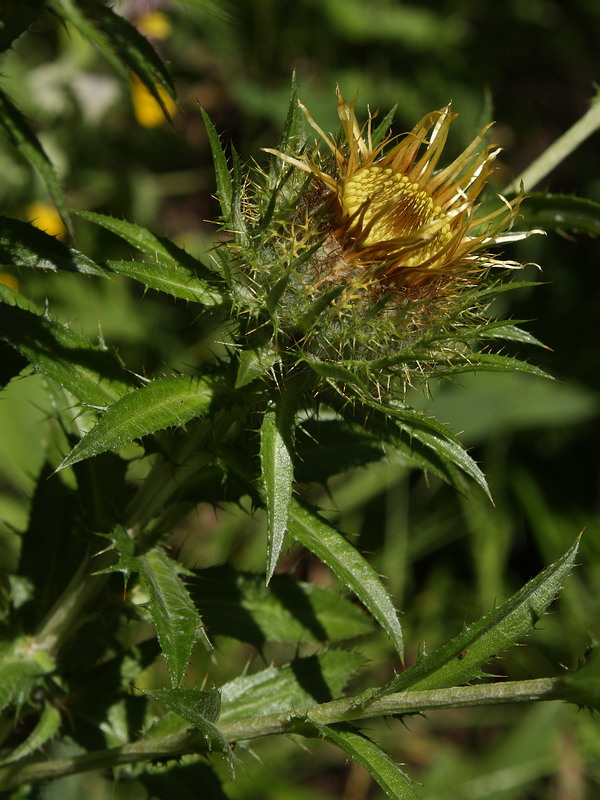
<point>88,371</point>
<point>16,129</point>
<point>302,683</point>
<point>435,437</point>
<point>492,362</point>
<point>45,728</point>
<point>163,403</point>
<point>394,782</point>
<point>24,245</point>
<point>177,622</point>
<point>222,175</point>
<point>158,248</point>
<point>277,469</point>
<point>349,566</point>
<point>461,659</point>
<point>170,278</point>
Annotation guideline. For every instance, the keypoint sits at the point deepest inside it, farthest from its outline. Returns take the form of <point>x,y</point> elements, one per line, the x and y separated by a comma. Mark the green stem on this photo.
<point>299,721</point>
<point>588,124</point>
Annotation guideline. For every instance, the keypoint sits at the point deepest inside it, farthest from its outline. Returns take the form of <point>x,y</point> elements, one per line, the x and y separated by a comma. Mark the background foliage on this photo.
<point>448,558</point>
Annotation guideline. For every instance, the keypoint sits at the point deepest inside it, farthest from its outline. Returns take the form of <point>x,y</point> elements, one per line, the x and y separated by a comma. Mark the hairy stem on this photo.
<point>298,721</point>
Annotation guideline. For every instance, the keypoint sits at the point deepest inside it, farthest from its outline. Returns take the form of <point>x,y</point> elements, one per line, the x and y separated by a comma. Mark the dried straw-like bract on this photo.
<point>398,222</point>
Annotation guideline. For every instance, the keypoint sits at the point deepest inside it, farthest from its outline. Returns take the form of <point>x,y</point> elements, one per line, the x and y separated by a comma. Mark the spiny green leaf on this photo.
<point>237,604</point>
<point>302,683</point>
<point>238,220</point>
<point>124,546</point>
<point>435,437</point>
<point>348,565</point>
<point>174,615</point>
<point>170,278</point>
<point>492,362</point>
<point>15,127</point>
<point>222,175</point>
<point>199,707</point>
<point>461,659</point>
<point>89,372</point>
<point>45,728</point>
<point>20,671</point>
<point>394,782</point>
<point>293,121</point>
<point>157,247</point>
<point>508,332</point>
<point>163,403</point>
<point>561,212</point>
<point>277,471</point>
<point>337,373</point>
<point>254,364</point>
<point>24,245</point>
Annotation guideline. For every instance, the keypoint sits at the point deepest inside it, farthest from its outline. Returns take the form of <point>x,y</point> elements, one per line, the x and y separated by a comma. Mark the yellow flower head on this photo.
<point>396,219</point>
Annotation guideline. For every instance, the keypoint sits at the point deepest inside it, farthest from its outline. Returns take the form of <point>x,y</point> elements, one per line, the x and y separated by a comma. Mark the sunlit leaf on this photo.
<point>462,658</point>
<point>302,683</point>
<point>222,174</point>
<point>394,782</point>
<point>350,567</point>
<point>24,245</point>
<point>277,476</point>
<point>163,403</point>
<point>174,615</point>
<point>170,278</point>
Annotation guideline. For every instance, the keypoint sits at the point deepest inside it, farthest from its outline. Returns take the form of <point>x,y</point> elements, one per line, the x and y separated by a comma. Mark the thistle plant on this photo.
<point>346,271</point>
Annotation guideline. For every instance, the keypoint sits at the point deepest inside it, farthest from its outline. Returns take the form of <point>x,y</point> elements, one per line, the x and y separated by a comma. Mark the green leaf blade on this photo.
<point>24,245</point>
<point>349,566</point>
<point>163,403</point>
<point>45,728</point>
<point>276,690</point>
<point>394,782</point>
<point>222,174</point>
<point>170,278</point>
<point>199,707</point>
<point>462,658</point>
<point>278,477</point>
<point>174,615</point>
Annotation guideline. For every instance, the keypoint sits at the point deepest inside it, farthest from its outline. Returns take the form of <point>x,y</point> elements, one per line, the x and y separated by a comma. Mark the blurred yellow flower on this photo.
<point>46,218</point>
<point>155,24</point>
<point>147,110</point>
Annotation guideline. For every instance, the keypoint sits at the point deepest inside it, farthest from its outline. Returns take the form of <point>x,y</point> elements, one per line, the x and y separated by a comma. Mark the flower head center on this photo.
<point>387,206</point>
